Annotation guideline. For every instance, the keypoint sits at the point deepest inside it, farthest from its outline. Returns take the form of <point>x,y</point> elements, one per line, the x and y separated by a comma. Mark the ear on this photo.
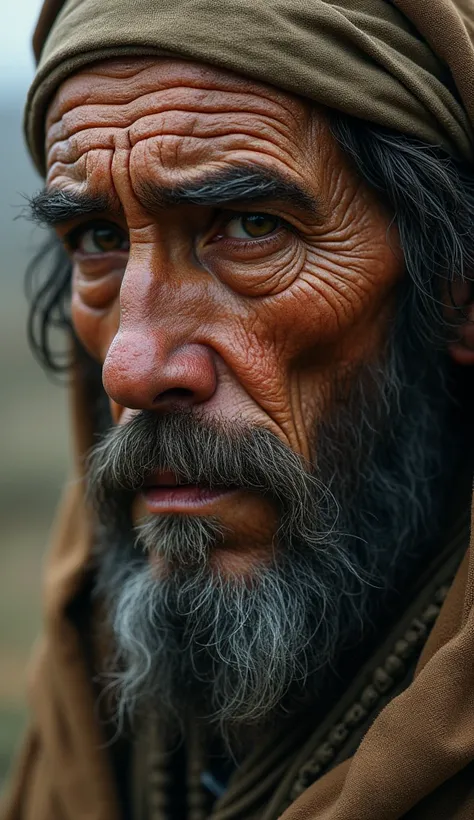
<point>461,315</point>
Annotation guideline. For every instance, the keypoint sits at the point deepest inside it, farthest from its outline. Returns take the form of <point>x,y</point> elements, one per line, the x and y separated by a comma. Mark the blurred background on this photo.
<point>33,416</point>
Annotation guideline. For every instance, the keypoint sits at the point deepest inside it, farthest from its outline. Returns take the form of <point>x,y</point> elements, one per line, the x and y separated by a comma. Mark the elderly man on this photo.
<point>259,603</point>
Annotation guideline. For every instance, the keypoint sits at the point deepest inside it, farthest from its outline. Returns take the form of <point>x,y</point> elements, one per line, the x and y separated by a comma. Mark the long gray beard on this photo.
<point>237,650</point>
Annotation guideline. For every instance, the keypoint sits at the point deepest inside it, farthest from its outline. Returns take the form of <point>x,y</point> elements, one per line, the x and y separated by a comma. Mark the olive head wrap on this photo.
<point>406,64</point>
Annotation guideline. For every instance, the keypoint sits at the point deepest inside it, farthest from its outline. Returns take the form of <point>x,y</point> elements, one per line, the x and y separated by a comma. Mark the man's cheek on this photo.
<point>337,294</point>
<point>95,327</point>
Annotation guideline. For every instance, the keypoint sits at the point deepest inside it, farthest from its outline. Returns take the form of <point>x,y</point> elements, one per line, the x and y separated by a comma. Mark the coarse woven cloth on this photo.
<point>406,64</point>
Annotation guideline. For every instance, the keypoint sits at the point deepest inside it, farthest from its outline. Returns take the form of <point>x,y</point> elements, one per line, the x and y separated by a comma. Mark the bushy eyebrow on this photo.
<point>249,184</point>
<point>233,185</point>
<point>52,206</point>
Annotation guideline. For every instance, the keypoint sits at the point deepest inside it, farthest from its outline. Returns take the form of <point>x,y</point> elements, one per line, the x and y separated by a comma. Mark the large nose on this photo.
<point>146,371</point>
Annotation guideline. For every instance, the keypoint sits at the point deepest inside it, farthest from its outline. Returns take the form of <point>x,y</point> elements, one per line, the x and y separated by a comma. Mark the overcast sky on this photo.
<point>16,60</point>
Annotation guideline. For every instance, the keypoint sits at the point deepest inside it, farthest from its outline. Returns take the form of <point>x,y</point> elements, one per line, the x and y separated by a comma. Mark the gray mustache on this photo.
<point>217,454</point>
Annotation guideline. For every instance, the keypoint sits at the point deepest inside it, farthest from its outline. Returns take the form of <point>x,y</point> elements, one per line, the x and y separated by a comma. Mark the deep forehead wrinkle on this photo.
<point>169,80</point>
<point>182,99</point>
<point>67,139</point>
<point>166,87</point>
<point>54,206</point>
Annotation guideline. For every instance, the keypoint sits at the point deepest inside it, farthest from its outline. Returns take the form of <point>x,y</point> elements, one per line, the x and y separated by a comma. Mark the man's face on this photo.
<point>229,261</point>
<point>275,442</point>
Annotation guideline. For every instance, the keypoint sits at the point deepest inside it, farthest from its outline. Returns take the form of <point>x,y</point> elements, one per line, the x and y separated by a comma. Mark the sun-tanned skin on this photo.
<point>196,314</point>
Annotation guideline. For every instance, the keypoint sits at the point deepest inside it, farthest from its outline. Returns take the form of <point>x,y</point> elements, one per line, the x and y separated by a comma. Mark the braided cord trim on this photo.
<point>384,678</point>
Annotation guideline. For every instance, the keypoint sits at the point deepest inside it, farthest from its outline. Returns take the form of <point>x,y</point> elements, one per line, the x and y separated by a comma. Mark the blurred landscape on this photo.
<point>34,425</point>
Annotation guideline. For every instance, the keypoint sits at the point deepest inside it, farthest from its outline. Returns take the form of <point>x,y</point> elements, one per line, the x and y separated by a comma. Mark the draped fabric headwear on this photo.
<point>406,64</point>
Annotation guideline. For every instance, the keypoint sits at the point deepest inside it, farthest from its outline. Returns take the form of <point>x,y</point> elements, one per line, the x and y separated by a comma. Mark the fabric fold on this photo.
<point>363,57</point>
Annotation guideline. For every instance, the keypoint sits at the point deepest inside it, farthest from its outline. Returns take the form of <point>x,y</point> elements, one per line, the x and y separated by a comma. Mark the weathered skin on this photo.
<point>255,329</point>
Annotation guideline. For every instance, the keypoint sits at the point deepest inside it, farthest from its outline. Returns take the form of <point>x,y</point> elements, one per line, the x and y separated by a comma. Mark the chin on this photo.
<point>231,534</point>
<point>225,562</point>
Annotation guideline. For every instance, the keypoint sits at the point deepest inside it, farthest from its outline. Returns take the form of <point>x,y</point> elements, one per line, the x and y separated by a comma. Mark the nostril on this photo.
<point>175,395</point>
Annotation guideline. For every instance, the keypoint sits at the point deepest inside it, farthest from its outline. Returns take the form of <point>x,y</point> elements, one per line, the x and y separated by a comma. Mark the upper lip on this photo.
<point>167,478</point>
<point>162,478</point>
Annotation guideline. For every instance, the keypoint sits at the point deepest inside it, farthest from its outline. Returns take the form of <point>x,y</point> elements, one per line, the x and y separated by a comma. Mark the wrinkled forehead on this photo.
<point>174,118</point>
<point>161,83</point>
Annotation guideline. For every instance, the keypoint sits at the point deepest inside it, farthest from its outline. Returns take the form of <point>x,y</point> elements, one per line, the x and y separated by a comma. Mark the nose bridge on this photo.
<point>154,360</point>
<point>145,278</point>
<point>156,308</point>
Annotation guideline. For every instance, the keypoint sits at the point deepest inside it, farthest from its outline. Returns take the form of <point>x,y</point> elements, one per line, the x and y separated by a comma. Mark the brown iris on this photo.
<point>96,239</point>
<point>251,226</point>
<point>107,239</point>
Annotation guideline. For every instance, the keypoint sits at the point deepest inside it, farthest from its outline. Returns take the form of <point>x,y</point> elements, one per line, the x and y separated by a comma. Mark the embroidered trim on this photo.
<point>383,680</point>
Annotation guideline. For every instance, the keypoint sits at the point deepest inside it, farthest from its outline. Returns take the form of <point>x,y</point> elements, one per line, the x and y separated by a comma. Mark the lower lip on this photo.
<point>181,499</point>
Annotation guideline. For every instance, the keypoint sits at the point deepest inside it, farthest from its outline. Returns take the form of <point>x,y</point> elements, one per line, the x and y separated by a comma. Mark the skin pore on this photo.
<point>244,311</point>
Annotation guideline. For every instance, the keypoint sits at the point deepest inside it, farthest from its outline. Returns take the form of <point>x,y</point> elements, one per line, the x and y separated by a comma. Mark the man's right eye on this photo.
<point>98,239</point>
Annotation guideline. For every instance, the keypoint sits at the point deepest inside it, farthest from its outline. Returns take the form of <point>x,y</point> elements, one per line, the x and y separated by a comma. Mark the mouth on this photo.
<point>164,492</point>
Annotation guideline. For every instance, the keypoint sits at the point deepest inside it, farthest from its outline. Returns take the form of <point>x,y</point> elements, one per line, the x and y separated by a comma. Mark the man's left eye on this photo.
<point>251,226</point>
